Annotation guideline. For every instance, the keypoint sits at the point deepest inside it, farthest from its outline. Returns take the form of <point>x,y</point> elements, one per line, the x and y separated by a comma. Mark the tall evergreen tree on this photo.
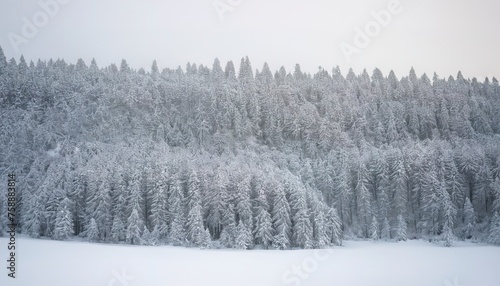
<point>494,233</point>
<point>134,228</point>
<point>469,219</point>
<point>64,222</point>
<point>281,219</point>
<point>401,228</point>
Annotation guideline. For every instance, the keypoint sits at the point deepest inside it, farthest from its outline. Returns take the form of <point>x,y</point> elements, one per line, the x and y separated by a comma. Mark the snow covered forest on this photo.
<point>218,157</point>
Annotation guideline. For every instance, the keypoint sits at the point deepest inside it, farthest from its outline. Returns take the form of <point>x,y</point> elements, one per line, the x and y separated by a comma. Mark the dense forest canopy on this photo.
<point>214,157</point>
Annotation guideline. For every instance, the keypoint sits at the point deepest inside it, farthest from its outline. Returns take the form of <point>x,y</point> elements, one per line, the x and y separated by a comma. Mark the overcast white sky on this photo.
<point>444,36</point>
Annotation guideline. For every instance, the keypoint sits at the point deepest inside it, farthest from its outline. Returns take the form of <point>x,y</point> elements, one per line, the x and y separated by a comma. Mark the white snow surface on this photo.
<point>362,263</point>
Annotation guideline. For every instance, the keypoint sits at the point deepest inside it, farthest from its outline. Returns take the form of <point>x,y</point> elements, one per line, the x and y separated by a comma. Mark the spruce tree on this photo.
<point>134,228</point>
<point>177,214</point>
<point>146,237</point>
<point>194,220</point>
<point>494,233</point>
<point>386,230</point>
<point>321,238</point>
<point>374,229</point>
<point>469,219</point>
<point>263,231</point>
<point>281,219</point>
<point>155,236</point>
<point>92,232</point>
<point>334,227</point>
<point>64,223</point>
<point>449,214</point>
<point>117,230</point>
<point>243,236</point>
<point>401,229</point>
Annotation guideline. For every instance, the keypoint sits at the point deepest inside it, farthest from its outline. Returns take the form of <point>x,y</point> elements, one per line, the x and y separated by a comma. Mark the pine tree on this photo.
<point>100,208</point>
<point>177,214</point>
<point>194,226</point>
<point>397,184</point>
<point>374,229</point>
<point>64,222</point>
<point>401,229</point>
<point>263,231</point>
<point>302,230</point>
<point>281,240</point>
<point>469,219</point>
<point>320,228</point>
<point>31,219</point>
<point>177,231</point>
<point>227,237</point>
<point>117,230</point>
<point>134,227</point>
<point>449,214</point>
<point>334,225</point>
<point>3,63</point>
<point>386,230</point>
<point>431,203</point>
<point>229,71</point>
<point>495,189</point>
<point>146,237</point>
<point>124,68</point>
<point>159,207</point>
<point>206,241</point>
<point>363,199</point>
<point>155,236</point>
<point>243,204</point>
<point>92,232</point>
<point>216,200</point>
<point>228,234</point>
<point>263,227</point>
<point>194,220</point>
<point>154,68</point>
<point>243,236</point>
<point>281,219</point>
<point>494,233</point>
<point>344,193</point>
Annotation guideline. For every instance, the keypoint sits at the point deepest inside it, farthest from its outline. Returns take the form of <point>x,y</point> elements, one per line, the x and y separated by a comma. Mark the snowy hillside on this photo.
<point>411,263</point>
<point>248,158</point>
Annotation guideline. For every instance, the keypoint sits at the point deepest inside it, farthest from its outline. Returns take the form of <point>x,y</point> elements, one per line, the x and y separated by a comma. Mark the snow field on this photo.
<point>412,263</point>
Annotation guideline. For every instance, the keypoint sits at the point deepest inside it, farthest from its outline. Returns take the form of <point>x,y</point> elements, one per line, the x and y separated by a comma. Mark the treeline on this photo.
<point>210,157</point>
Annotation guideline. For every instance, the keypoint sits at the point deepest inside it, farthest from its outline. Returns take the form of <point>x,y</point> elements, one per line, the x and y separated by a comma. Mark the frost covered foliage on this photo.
<point>212,157</point>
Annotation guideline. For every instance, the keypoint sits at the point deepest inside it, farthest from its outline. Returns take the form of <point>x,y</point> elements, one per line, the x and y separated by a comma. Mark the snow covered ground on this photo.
<point>54,263</point>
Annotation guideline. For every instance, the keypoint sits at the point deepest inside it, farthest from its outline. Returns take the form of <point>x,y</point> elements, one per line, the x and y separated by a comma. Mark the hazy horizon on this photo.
<point>444,37</point>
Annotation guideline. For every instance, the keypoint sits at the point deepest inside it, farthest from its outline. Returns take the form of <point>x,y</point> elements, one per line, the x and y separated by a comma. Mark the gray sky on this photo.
<point>444,36</point>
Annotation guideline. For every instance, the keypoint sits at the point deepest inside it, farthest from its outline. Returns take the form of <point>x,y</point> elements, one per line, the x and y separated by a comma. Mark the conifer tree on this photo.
<point>494,233</point>
<point>363,200</point>
<point>117,230</point>
<point>334,225</point>
<point>281,219</point>
<point>146,237</point>
<point>92,232</point>
<point>374,232</point>
<point>154,68</point>
<point>469,219</point>
<point>194,221</point>
<point>134,228</point>
<point>386,230</point>
<point>401,229</point>
<point>263,231</point>
<point>449,214</point>
<point>321,238</point>
<point>64,223</point>
<point>243,236</point>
